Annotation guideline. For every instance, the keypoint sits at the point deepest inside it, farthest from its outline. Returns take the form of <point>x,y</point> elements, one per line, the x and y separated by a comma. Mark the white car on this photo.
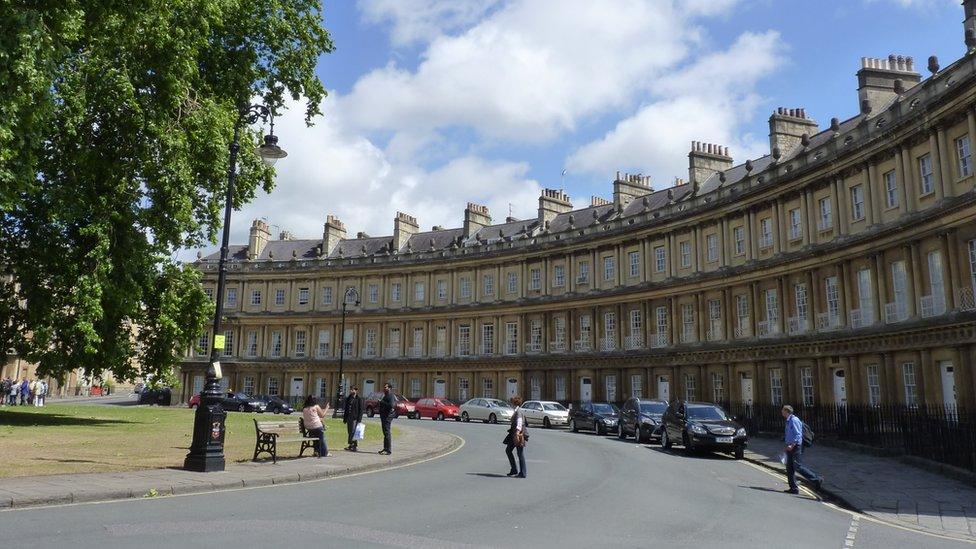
<point>545,412</point>
<point>488,410</point>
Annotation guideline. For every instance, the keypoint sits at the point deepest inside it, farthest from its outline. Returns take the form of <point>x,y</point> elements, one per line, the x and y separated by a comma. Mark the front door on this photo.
<point>586,389</point>
<point>948,383</point>
<point>297,387</point>
<point>440,388</point>
<point>746,392</point>
<point>664,388</point>
<point>840,387</point>
<point>369,386</point>
<point>511,388</point>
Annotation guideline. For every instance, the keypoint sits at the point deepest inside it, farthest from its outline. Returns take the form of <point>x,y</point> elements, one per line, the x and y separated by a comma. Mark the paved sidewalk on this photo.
<point>884,488</point>
<point>412,445</point>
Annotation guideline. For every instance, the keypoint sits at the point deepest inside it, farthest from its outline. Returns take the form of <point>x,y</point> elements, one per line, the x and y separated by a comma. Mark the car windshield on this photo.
<point>553,406</point>
<point>604,409</point>
<point>706,413</point>
<point>653,407</point>
<point>499,403</point>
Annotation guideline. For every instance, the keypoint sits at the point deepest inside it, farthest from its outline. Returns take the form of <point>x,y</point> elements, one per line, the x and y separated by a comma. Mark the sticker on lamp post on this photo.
<point>216,368</point>
<point>219,342</point>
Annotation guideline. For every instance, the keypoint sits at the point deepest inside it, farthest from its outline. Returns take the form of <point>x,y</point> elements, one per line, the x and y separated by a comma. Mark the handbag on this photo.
<point>360,432</point>
<point>519,439</point>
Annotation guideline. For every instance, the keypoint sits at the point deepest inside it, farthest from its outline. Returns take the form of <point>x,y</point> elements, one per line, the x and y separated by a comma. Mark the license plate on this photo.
<point>723,440</point>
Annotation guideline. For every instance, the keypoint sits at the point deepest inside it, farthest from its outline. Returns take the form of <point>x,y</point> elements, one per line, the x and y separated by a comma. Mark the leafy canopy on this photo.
<point>115,123</point>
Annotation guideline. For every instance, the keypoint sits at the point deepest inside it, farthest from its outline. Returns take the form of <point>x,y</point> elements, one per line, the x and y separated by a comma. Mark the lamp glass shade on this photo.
<point>269,151</point>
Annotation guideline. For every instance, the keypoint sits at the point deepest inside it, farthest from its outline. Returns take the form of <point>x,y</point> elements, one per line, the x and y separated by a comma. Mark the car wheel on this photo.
<point>277,410</point>
<point>240,408</point>
<point>665,440</point>
<point>572,426</point>
<point>456,418</point>
<point>546,423</point>
<point>492,419</point>
<point>465,417</point>
<point>440,416</point>
<point>600,429</point>
<point>638,436</point>
<point>740,452</point>
<point>689,449</point>
<point>369,412</point>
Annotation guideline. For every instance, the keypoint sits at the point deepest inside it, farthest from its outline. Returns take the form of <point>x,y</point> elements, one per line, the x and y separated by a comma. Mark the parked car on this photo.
<point>488,410</point>
<point>161,396</point>
<point>240,402</point>
<point>641,419</point>
<point>596,416</point>
<point>438,408</point>
<point>545,412</point>
<point>403,406</point>
<point>275,405</point>
<point>702,426</point>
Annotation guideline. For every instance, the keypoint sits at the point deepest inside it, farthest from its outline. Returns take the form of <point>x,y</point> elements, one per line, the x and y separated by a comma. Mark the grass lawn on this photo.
<point>59,438</point>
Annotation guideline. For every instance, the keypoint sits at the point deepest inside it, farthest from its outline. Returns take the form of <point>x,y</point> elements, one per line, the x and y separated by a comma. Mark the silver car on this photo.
<point>545,412</point>
<point>488,410</point>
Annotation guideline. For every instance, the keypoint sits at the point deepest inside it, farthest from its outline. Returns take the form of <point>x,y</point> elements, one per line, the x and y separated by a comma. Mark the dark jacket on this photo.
<point>388,405</point>
<point>511,427</point>
<point>352,412</point>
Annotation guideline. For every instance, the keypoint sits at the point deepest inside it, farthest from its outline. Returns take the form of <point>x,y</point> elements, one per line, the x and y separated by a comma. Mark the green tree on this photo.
<point>115,122</point>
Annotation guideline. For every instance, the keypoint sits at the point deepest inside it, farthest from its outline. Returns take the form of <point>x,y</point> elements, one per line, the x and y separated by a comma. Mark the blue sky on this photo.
<point>435,103</point>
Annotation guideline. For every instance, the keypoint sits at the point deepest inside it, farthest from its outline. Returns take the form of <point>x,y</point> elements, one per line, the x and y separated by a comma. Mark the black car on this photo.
<point>595,416</point>
<point>641,418</point>
<point>702,426</point>
<point>275,405</point>
<point>240,402</point>
<point>160,396</point>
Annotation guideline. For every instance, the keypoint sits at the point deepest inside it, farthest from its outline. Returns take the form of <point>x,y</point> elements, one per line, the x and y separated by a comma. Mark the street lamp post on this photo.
<point>351,296</point>
<point>207,448</point>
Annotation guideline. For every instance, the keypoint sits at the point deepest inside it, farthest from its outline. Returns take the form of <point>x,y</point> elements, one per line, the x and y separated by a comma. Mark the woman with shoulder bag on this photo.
<point>518,436</point>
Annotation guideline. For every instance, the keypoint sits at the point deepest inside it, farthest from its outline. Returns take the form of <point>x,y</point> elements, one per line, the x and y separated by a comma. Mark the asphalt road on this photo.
<point>583,490</point>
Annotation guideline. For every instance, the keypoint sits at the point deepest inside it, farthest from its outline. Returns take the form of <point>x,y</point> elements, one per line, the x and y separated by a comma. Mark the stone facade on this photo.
<point>841,267</point>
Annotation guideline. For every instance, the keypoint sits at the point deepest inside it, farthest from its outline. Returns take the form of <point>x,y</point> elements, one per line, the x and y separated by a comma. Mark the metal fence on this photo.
<point>946,434</point>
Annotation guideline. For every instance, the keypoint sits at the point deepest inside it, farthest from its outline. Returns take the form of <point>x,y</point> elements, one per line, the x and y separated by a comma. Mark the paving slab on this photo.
<point>884,488</point>
<point>413,444</point>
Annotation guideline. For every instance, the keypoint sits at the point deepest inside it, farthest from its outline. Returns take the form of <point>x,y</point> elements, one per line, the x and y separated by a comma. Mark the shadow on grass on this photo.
<point>28,419</point>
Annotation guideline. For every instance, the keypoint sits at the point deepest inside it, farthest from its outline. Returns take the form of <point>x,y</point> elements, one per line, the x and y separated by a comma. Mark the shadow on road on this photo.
<point>488,475</point>
<point>698,454</point>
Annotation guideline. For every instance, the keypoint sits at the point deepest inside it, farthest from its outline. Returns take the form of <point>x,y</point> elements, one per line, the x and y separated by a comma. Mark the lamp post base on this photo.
<point>207,449</point>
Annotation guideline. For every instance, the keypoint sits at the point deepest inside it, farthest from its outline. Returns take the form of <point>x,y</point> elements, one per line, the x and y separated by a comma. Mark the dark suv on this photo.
<point>702,426</point>
<point>597,416</point>
<point>641,418</point>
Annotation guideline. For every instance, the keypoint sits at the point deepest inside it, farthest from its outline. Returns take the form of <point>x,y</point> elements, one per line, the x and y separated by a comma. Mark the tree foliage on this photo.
<point>115,122</point>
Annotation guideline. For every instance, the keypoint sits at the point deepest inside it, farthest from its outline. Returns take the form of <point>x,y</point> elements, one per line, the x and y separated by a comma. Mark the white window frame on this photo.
<point>512,283</point>
<point>301,343</point>
<point>488,338</point>
<point>826,220</point>
<point>800,299</point>
<point>255,297</point>
<point>964,158</point>
<point>832,296</point>
<point>419,291</point>
<point>766,232</point>
<point>248,385</point>
<point>442,289</point>
<point>558,276</point>
<point>926,180</point>
<point>488,285</point>
<point>396,292</point>
<point>324,346</point>
<point>511,338</point>
<point>633,259</point>
<point>806,385</point>
<point>687,322</point>
<point>535,279</point>
<point>583,276</point>
<point>684,249</point>
<point>660,259</point>
<point>891,189</point>
<point>609,268</point>
<point>739,236</point>
<point>857,202</point>
<point>252,344</point>
<point>273,386</point>
<point>276,344</point>
<point>691,387</point>
<point>487,387</point>
<point>636,386</point>
<point>874,385</point>
<point>718,387</point>
<point>372,293</point>
<point>910,383</point>
<point>796,224</point>
<point>228,349</point>
<point>776,386</point>
<point>303,297</point>
<point>231,300</point>
<point>279,299</point>
<point>327,295</point>
<point>464,340</point>
<point>464,287</point>
<point>711,248</point>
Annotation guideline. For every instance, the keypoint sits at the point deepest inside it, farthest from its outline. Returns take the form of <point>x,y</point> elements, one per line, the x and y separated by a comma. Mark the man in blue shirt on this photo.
<point>794,452</point>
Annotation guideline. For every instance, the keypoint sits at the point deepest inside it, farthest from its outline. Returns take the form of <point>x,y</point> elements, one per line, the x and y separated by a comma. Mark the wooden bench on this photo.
<point>270,433</point>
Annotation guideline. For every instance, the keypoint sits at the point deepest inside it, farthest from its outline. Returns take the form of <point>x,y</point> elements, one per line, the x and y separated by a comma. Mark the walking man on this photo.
<point>794,453</point>
<point>352,415</point>
<point>387,411</point>
<point>24,392</point>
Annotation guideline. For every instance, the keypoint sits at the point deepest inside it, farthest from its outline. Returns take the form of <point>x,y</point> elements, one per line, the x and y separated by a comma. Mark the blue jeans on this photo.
<point>794,465</point>
<point>322,449</point>
<point>521,458</point>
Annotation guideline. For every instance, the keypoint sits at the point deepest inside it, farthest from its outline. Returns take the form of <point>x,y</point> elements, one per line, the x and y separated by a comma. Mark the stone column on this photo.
<point>777,227</point>
<point>702,316</point>
<point>901,178</point>
<point>675,320</point>
<point>755,309</point>
<point>811,317</point>
<point>954,278</point>
<point>751,235</point>
<point>724,242</point>
<point>937,173</point>
<point>781,303</point>
<point>845,293</point>
<point>805,218</point>
<point>671,255</point>
<point>944,163</point>
<point>728,314</point>
<point>843,211</point>
<point>881,276</point>
<point>914,280</point>
<point>873,195</point>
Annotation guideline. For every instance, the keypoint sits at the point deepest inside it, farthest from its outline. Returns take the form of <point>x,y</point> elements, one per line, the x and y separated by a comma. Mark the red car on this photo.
<point>403,406</point>
<point>438,408</point>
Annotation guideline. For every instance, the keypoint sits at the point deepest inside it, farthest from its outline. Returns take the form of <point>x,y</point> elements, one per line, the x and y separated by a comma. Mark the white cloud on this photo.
<point>920,4</point>
<point>332,170</point>
<point>709,101</point>
<point>527,71</point>
<point>420,21</point>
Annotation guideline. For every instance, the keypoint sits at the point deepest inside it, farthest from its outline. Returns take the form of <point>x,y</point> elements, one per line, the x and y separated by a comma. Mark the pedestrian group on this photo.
<point>29,392</point>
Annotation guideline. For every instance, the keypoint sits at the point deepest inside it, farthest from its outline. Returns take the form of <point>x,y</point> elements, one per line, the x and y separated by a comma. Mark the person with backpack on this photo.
<point>794,453</point>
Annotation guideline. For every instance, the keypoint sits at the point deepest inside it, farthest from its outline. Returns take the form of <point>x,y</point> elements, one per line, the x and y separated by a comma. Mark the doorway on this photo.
<point>746,392</point>
<point>586,389</point>
<point>440,388</point>
<point>947,371</point>
<point>840,387</point>
<point>664,388</point>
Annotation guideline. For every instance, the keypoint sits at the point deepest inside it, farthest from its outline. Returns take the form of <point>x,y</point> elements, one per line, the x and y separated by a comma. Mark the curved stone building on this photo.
<point>840,267</point>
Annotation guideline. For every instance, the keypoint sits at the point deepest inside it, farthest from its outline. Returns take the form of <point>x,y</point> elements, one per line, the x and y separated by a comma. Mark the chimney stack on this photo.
<point>787,127</point>
<point>476,216</point>
<point>876,81</point>
<point>627,187</point>
<point>404,226</point>
<point>286,235</point>
<point>706,159</point>
<point>333,232</point>
<point>258,239</point>
<point>553,202</point>
<point>969,20</point>
<point>598,201</point>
